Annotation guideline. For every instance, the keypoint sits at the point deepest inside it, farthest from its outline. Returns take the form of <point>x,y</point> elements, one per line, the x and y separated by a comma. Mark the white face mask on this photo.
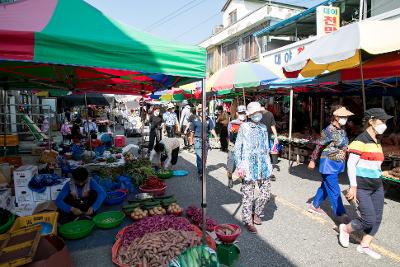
<point>242,117</point>
<point>380,128</point>
<point>256,117</point>
<point>342,121</point>
<point>156,113</point>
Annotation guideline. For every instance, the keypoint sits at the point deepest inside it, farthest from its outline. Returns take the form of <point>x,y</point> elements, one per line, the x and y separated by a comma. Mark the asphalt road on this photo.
<point>289,235</point>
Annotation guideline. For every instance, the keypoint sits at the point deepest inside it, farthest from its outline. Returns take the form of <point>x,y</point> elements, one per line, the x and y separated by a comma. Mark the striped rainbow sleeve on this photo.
<point>357,147</point>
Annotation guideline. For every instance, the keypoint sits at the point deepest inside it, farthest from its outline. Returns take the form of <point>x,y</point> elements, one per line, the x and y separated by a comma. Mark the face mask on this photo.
<point>256,117</point>
<point>156,113</point>
<point>342,121</point>
<point>380,129</point>
<point>242,117</point>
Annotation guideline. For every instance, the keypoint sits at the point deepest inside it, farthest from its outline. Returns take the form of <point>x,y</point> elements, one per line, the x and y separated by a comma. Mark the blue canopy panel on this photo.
<point>292,82</point>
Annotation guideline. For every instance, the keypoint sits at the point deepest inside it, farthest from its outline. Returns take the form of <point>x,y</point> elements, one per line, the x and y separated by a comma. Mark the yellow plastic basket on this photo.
<point>27,221</point>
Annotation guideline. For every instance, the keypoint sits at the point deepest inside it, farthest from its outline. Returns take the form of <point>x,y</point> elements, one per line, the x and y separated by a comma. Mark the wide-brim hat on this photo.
<point>170,105</point>
<point>253,107</point>
<point>342,112</point>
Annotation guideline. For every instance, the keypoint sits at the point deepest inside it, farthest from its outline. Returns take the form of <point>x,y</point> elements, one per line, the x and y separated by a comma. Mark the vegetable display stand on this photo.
<point>45,217</point>
<point>228,254</point>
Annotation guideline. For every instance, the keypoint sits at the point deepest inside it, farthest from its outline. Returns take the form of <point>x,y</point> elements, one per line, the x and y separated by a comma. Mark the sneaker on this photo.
<point>344,236</point>
<point>251,228</point>
<point>314,210</point>
<point>369,252</point>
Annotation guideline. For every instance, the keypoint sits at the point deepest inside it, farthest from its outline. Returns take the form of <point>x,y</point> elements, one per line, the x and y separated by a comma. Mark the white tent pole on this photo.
<point>203,158</point>
<point>290,125</point>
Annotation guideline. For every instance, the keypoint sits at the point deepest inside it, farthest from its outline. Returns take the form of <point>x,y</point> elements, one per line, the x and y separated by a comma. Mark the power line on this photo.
<point>183,9</point>
<point>197,25</point>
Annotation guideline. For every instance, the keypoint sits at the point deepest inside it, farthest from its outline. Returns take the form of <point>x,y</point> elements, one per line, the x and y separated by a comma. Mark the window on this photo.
<point>249,47</point>
<point>210,61</point>
<point>230,54</point>
<point>232,17</point>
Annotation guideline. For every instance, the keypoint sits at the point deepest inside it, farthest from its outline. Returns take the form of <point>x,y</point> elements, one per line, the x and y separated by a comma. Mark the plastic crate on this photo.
<point>19,248</point>
<point>27,221</point>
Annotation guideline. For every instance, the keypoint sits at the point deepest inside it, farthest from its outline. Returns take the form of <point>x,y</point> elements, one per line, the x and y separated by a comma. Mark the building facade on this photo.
<point>233,41</point>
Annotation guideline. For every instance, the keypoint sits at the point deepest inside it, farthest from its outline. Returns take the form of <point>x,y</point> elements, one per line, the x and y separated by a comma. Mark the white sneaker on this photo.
<point>344,237</point>
<point>369,252</point>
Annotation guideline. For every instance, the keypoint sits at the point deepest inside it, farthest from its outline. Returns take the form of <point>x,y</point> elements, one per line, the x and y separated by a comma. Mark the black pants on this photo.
<point>155,135</point>
<point>170,131</point>
<point>174,156</point>
<point>83,204</point>
<point>370,206</point>
<point>223,136</point>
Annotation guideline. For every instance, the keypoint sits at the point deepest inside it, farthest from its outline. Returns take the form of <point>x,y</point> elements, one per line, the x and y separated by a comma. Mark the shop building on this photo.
<point>233,40</point>
<point>304,28</point>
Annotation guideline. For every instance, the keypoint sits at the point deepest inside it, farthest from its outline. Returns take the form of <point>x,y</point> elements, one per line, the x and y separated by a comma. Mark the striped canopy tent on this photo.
<point>241,75</point>
<point>42,46</point>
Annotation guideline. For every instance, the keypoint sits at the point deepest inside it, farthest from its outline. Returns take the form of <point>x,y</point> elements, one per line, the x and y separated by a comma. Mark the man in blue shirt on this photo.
<point>80,196</point>
<point>196,127</point>
<point>171,121</point>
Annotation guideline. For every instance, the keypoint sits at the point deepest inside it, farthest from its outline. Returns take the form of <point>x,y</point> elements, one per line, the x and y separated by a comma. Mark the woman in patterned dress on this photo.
<point>333,143</point>
<point>252,159</point>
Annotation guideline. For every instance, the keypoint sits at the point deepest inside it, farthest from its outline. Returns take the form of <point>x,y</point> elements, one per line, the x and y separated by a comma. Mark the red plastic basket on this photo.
<point>228,239</point>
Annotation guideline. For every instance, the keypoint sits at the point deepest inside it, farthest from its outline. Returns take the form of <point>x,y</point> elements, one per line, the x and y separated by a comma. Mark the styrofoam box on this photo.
<point>25,208</point>
<point>23,194</point>
<point>24,174</point>
<point>41,197</point>
<point>56,189</point>
<point>5,198</point>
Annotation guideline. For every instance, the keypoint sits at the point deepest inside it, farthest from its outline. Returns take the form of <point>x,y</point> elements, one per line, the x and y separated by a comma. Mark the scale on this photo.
<point>228,254</point>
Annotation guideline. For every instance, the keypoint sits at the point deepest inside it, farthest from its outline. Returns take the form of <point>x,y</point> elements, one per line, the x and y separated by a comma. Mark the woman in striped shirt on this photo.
<point>366,188</point>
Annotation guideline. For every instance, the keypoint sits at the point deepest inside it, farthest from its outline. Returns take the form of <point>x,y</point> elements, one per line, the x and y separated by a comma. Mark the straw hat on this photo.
<point>342,112</point>
<point>253,107</point>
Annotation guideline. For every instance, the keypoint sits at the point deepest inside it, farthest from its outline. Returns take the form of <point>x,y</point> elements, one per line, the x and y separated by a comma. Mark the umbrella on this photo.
<point>173,95</point>
<point>240,75</point>
<point>91,99</point>
<point>342,49</point>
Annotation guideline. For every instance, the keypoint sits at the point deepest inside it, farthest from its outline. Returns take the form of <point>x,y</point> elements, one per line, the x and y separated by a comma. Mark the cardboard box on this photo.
<point>41,197</point>
<point>10,140</point>
<point>56,189</point>
<point>24,209</point>
<point>23,195</point>
<point>49,156</point>
<point>5,198</point>
<point>24,174</point>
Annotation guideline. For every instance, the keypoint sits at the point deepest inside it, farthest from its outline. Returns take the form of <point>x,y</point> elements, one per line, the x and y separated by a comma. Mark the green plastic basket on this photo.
<point>109,219</point>
<point>165,175</point>
<point>5,227</point>
<point>77,229</point>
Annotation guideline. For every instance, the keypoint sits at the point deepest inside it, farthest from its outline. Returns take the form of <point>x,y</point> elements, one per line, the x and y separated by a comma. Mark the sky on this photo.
<point>184,21</point>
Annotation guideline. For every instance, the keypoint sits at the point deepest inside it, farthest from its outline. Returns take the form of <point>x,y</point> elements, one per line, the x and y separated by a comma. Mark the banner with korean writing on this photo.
<point>328,19</point>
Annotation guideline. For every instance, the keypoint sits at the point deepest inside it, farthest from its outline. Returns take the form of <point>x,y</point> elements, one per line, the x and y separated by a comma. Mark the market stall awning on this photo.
<point>342,49</point>
<point>44,45</point>
<point>240,75</point>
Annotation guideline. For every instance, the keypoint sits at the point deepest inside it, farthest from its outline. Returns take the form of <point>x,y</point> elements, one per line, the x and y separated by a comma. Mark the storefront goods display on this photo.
<point>151,225</point>
<point>158,248</point>
<point>227,233</point>
<point>195,215</point>
<point>77,229</point>
<point>19,247</point>
<point>109,219</point>
<point>49,218</point>
<point>196,257</point>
